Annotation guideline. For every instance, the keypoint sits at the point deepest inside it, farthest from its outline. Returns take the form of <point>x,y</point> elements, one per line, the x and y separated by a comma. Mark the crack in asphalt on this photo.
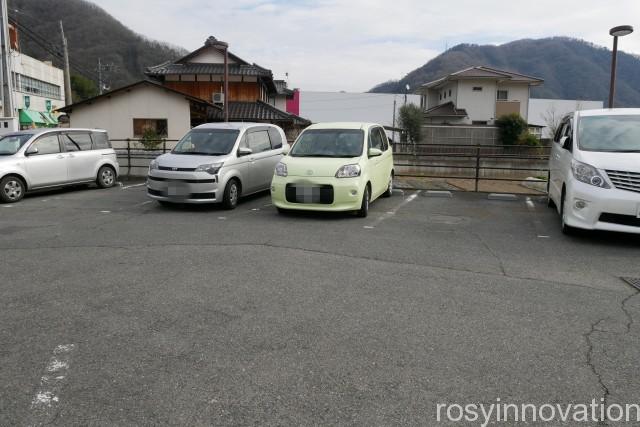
<point>626,312</point>
<point>312,251</point>
<point>494,254</point>
<point>592,365</point>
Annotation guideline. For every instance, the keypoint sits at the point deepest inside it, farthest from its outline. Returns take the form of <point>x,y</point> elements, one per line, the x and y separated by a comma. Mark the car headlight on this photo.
<point>281,169</point>
<point>588,174</point>
<point>210,168</point>
<point>153,165</point>
<point>348,171</point>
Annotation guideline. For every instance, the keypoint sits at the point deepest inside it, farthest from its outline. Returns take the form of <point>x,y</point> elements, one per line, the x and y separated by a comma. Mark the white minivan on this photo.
<point>45,158</point>
<point>595,170</point>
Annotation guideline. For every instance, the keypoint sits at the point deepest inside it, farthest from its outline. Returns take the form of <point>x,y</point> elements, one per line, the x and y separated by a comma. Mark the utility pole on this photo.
<point>102,80</point>
<point>393,132</point>
<point>100,84</point>
<point>67,73</point>
<point>6,83</point>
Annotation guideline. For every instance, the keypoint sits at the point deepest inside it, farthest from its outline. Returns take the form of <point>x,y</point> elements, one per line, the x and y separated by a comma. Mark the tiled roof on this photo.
<point>260,111</point>
<point>127,88</point>
<point>445,110</point>
<point>202,68</point>
<point>282,89</point>
<point>482,72</point>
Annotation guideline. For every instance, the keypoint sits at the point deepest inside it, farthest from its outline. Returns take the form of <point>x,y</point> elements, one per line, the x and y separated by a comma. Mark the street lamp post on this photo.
<point>218,44</point>
<point>620,31</point>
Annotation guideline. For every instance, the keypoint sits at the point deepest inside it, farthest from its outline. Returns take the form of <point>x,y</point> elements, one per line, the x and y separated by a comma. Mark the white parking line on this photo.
<point>46,401</point>
<point>392,212</point>
<point>537,224</point>
<point>124,187</point>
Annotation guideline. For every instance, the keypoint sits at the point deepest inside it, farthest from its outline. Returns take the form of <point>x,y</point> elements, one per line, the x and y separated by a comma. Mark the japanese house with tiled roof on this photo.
<point>476,95</point>
<point>253,95</point>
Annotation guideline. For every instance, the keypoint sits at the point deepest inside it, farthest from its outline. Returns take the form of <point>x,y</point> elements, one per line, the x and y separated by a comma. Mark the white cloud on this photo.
<point>353,45</point>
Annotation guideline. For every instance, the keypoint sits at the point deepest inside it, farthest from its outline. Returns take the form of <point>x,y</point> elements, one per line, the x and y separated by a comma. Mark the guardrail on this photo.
<point>480,162</point>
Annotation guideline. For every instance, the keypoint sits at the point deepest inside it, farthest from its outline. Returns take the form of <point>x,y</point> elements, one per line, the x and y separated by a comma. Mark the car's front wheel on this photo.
<point>364,206</point>
<point>12,189</point>
<point>566,229</point>
<point>231,194</point>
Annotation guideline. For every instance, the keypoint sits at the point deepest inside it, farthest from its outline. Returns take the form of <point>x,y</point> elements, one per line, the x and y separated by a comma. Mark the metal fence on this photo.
<point>417,166</point>
<point>456,135</point>
<point>467,167</point>
<point>134,157</point>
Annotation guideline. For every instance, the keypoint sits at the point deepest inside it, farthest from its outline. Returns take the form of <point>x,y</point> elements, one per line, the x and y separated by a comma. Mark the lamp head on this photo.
<point>621,31</point>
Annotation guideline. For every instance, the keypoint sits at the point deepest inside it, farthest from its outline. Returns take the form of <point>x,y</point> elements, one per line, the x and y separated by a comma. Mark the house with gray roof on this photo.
<point>253,95</point>
<point>476,96</point>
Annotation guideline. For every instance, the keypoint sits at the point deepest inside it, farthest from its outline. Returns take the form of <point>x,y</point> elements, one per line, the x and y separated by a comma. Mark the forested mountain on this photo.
<point>91,33</point>
<point>572,69</point>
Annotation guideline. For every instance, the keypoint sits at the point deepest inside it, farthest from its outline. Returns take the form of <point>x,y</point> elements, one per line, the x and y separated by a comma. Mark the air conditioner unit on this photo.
<point>218,98</point>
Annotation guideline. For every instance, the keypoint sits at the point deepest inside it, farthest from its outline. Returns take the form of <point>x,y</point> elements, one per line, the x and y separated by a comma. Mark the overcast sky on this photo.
<point>353,45</point>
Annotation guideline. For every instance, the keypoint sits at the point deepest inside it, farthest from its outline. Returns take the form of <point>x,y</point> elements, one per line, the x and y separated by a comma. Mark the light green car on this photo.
<point>335,167</point>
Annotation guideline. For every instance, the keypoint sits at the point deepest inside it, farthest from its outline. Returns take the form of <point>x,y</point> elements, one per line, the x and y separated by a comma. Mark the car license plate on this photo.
<point>308,194</point>
<point>177,189</point>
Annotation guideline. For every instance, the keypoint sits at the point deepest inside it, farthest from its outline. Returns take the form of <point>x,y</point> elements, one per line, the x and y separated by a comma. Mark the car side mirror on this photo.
<point>244,151</point>
<point>566,142</point>
<point>285,149</point>
<point>32,150</point>
<point>375,152</point>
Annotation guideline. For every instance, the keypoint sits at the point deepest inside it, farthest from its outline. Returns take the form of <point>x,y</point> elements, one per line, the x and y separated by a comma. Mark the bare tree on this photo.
<point>552,119</point>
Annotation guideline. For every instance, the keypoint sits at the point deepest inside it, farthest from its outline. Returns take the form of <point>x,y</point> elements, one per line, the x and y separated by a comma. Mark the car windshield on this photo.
<point>10,144</point>
<point>619,134</point>
<point>329,143</point>
<point>208,142</point>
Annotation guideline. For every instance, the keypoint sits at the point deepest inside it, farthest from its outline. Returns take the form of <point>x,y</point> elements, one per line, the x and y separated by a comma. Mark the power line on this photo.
<point>52,49</point>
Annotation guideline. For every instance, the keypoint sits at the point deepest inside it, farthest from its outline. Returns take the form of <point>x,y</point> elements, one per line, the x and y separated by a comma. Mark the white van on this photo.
<point>595,170</point>
<point>38,159</point>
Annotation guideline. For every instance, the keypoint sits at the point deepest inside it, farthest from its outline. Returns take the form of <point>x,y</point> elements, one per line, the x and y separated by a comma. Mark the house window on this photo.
<point>159,126</point>
<point>477,88</point>
<point>37,87</point>
<point>449,93</point>
<point>503,95</point>
<point>440,96</point>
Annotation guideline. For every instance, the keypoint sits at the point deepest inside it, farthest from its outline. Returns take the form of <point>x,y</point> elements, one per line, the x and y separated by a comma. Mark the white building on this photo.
<point>476,96</point>
<point>545,112</point>
<point>352,107</point>
<point>126,113</point>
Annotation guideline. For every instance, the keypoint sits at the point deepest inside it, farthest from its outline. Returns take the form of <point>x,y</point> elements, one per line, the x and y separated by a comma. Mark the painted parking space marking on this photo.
<point>126,187</point>
<point>537,224</point>
<point>46,401</point>
<point>393,211</point>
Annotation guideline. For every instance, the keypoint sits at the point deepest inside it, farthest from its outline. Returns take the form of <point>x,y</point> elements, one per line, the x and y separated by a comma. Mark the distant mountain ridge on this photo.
<point>92,33</point>
<point>571,68</point>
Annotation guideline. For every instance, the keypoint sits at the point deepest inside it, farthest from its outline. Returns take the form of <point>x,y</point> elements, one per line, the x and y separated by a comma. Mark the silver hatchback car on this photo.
<point>38,159</point>
<point>217,163</point>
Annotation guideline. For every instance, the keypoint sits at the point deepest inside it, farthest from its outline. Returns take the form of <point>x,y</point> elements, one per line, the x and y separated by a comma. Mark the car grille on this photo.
<point>620,219</point>
<point>317,194</point>
<point>166,168</point>
<point>190,181</point>
<point>199,196</point>
<point>629,181</point>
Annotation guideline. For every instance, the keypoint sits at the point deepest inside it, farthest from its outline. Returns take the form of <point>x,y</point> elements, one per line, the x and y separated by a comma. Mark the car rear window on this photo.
<point>100,140</point>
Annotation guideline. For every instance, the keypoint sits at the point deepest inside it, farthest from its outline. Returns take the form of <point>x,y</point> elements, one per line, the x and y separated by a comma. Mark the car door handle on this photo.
<point>71,156</point>
<point>60,156</point>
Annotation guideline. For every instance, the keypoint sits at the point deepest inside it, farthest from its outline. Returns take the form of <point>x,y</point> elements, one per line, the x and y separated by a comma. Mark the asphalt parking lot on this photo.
<point>117,311</point>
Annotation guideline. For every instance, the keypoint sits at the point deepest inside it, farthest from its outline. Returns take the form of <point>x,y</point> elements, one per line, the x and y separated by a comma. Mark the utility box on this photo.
<point>8,125</point>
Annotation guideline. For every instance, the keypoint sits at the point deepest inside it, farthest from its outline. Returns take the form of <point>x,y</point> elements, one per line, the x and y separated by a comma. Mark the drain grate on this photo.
<point>633,281</point>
